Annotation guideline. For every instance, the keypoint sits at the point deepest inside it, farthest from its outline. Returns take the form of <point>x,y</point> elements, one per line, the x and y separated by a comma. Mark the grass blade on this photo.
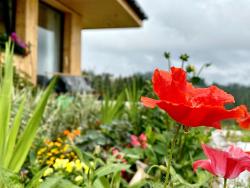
<point>5,100</point>
<point>12,137</point>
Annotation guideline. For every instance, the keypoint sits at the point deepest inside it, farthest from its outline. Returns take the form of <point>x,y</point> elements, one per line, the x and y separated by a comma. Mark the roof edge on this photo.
<point>135,7</point>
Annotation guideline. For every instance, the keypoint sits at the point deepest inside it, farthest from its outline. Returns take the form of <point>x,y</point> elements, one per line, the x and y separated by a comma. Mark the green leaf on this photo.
<point>27,137</point>
<point>110,168</point>
<point>9,179</point>
<point>180,179</point>
<point>101,182</point>
<point>116,180</point>
<point>57,182</point>
<point>35,180</point>
<point>13,134</point>
<point>5,100</point>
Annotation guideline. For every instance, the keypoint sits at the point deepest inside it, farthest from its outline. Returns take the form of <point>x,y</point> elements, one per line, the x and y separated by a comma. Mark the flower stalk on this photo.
<point>171,155</point>
<point>225,183</point>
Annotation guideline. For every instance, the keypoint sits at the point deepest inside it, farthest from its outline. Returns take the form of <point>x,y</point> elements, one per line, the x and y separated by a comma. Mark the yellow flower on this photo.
<point>62,156</point>
<point>78,165</point>
<point>58,144</point>
<point>52,158</point>
<point>51,144</point>
<point>48,172</point>
<point>59,139</point>
<point>86,168</point>
<point>49,162</point>
<point>55,151</point>
<point>70,166</point>
<point>41,151</point>
<point>60,163</point>
<point>65,148</point>
<point>78,179</point>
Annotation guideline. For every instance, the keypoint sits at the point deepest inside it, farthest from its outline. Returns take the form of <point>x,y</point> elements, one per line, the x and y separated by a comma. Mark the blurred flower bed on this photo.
<point>113,140</point>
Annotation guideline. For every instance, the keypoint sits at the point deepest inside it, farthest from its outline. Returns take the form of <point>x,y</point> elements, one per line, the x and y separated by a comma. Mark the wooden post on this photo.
<point>72,44</point>
<point>26,28</point>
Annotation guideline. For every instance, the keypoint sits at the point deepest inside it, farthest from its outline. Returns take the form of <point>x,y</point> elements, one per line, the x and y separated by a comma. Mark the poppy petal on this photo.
<point>204,164</point>
<point>217,158</point>
<point>148,102</point>
<point>170,87</point>
<point>211,96</point>
<point>237,152</point>
<point>200,116</point>
<point>236,166</point>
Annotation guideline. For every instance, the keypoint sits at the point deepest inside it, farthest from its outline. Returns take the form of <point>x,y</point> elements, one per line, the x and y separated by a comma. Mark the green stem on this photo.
<point>182,64</point>
<point>169,64</point>
<point>225,183</point>
<point>171,155</point>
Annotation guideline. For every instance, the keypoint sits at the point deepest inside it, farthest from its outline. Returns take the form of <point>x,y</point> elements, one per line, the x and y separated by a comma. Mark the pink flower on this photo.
<point>134,141</point>
<point>115,151</point>
<point>140,141</point>
<point>17,40</point>
<point>227,164</point>
<point>143,138</point>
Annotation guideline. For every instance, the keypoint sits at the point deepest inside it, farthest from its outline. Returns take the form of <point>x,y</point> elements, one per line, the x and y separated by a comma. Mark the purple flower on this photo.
<point>17,40</point>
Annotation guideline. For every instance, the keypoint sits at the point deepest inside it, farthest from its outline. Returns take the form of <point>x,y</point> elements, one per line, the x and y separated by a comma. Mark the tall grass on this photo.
<point>13,148</point>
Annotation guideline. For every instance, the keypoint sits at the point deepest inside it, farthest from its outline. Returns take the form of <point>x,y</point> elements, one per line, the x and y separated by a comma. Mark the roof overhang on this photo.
<point>105,13</point>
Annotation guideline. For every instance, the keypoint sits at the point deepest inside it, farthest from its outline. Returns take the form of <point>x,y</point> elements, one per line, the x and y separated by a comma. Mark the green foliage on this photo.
<point>133,108</point>
<point>68,112</point>
<point>111,109</point>
<point>57,182</point>
<point>9,179</point>
<point>14,149</point>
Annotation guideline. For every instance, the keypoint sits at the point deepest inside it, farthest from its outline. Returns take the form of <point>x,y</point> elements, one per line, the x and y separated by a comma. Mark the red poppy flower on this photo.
<point>244,122</point>
<point>188,105</point>
<point>227,164</point>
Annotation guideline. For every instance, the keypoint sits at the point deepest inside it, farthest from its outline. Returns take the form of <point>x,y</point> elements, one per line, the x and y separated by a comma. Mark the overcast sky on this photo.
<point>216,31</point>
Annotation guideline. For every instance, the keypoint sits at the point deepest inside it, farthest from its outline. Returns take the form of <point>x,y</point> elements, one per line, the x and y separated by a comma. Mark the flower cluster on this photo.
<point>53,150</point>
<point>118,155</point>
<point>70,166</point>
<point>73,169</point>
<point>72,134</point>
<point>139,141</point>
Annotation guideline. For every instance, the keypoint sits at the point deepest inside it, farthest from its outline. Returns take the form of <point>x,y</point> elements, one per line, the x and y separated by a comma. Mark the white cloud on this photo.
<point>211,30</point>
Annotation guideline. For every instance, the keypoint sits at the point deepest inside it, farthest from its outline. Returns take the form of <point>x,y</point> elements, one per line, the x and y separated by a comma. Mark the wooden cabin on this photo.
<point>52,28</point>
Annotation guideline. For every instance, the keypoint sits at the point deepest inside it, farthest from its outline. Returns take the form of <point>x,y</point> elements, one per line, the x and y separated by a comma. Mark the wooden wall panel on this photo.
<point>26,28</point>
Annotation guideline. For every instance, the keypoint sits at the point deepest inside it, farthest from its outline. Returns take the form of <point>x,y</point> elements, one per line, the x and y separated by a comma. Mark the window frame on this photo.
<point>61,38</point>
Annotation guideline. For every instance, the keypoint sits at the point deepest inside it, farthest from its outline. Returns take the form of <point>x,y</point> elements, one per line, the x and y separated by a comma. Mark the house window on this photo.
<point>49,40</point>
<point>7,16</point>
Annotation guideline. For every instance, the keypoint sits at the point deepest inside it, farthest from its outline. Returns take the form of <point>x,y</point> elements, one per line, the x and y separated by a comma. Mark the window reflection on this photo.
<point>49,40</point>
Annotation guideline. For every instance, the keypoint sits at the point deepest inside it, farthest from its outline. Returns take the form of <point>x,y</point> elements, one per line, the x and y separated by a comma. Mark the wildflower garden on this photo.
<point>141,133</point>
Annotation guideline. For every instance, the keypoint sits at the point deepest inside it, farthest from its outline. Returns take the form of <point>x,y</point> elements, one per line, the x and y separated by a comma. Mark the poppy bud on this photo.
<point>184,57</point>
<point>190,68</point>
